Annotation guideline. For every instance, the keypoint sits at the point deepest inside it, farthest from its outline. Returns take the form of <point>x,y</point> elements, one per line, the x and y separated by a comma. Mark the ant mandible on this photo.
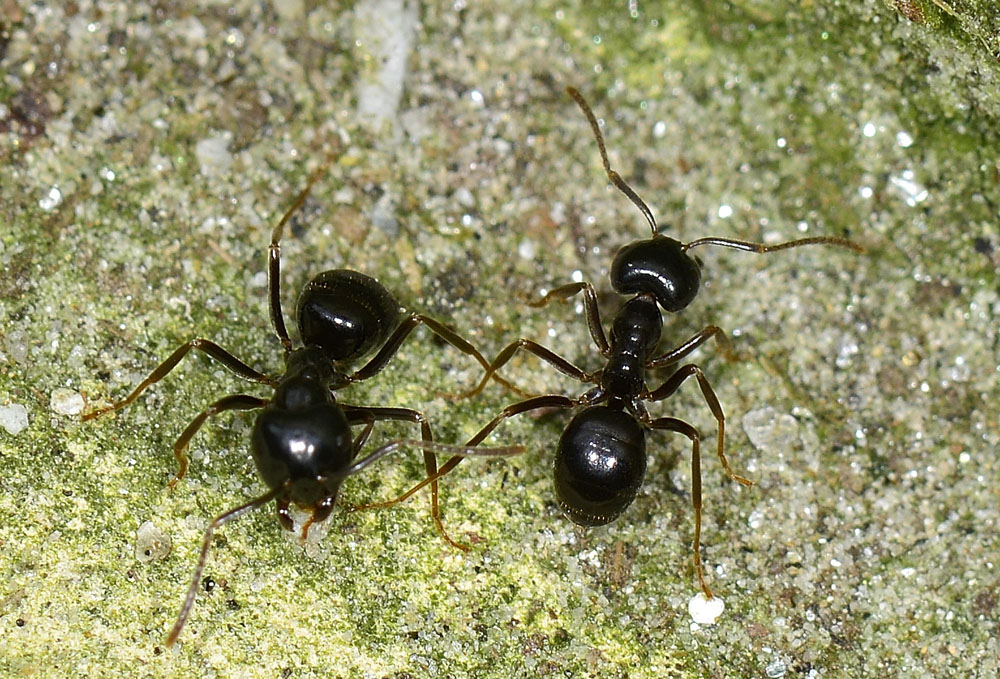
<point>302,443</point>
<point>600,462</point>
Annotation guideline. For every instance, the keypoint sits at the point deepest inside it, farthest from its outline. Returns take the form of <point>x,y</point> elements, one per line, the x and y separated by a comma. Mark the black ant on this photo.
<point>601,459</point>
<point>302,443</point>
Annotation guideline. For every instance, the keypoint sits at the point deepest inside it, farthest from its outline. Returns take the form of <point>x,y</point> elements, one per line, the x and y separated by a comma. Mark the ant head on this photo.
<point>300,445</point>
<point>660,267</point>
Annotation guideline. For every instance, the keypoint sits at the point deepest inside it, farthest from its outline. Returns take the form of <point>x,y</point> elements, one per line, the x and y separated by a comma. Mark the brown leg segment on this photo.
<point>699,338</point>
<point>508,353</point>
<point>682,427</point>
<point>564,292</point>
<point>673,383</point>
<point>234,365</point>
<point>430,460</point>
<point>391,346</point>
<point>234,402</point>
<point>536,403</point>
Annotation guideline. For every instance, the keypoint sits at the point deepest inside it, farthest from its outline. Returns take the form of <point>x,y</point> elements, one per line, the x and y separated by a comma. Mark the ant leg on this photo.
<point>564,292</point>
<point>234,365</point>
<point>234,402</point>
<point>761,248</point>
<point>673,383</point>
<point>393,446</point>
<point>682,427</point>
<point>355,413</point>
<point>547,355</point>
<point>391,346</point>
<point>274,259</point>
<point>699,338</point>
<point>562,365</point>
<point>536,403</point>
<point>357,418</point>
<point>206,542</point>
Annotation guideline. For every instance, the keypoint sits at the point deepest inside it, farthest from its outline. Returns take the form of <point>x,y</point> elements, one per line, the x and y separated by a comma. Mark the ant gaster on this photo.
<point>600,462</point>
<point>302,443</point>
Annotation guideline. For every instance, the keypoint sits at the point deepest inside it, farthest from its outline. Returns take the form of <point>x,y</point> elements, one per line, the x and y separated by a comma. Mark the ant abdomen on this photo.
<point>600,465</point>
<point>346,313</point>
<point>660,267</point>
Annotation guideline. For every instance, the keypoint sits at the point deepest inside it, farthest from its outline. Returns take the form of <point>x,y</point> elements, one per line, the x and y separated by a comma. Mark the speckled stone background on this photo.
<point>148,147</point>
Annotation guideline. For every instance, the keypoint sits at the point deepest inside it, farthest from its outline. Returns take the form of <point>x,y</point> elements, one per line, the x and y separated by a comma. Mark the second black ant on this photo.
<point>302,443</point>
<point>600,462</point>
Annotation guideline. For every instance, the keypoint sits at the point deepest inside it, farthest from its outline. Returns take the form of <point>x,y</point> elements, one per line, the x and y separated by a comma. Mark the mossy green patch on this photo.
<point>865,545</point>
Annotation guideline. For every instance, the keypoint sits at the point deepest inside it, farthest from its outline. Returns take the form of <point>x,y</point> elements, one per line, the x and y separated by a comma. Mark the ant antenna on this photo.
<point>615,178</point>
<point>207,542</point>
<point>342,474</point>
<point>274,256</point>
<point>433,446</point>
<point>622,186</point>
<point>761,248</point>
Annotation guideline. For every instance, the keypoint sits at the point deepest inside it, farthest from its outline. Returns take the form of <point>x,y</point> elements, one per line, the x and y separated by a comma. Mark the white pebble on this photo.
<point>769,429</point>
<point>13,418</point>
<point>151,543</point>
<point>705,611</point>
<point>51,200</point>
<point>66,402</point>
<point>213,154</point>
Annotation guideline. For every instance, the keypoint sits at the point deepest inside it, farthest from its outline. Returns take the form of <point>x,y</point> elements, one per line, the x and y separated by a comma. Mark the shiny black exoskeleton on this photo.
<point>600,464</point>
<point>302,436</point>
<point>302,442</point>
<point>346,314</point>
<point>600,461</point>
<point>658,266</point>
